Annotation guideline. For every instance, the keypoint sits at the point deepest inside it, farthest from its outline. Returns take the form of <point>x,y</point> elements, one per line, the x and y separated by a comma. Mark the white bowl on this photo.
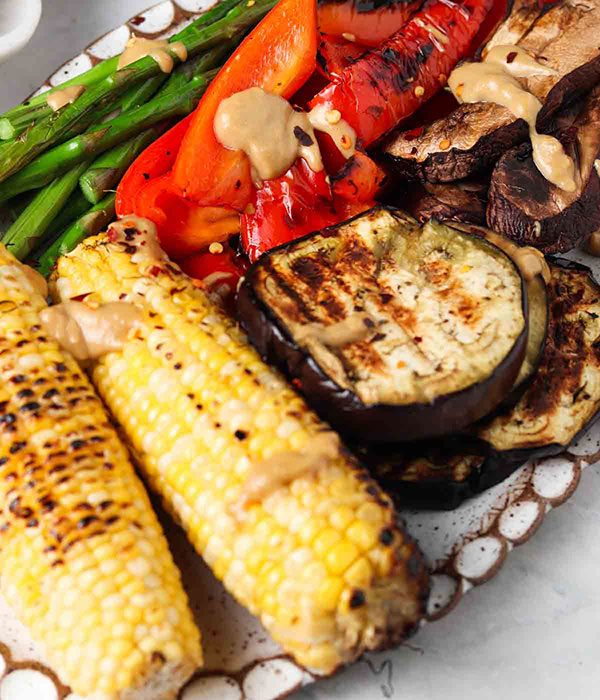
<point>18,21</point>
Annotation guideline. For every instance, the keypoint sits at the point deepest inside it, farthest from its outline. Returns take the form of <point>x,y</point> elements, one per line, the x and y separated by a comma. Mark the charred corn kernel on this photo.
<point>75,518</point>
<point>206,417</point>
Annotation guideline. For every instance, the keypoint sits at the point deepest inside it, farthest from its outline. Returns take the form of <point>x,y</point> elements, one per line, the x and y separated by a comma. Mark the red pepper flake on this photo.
<point>511,56</point>
<point>155,271</point>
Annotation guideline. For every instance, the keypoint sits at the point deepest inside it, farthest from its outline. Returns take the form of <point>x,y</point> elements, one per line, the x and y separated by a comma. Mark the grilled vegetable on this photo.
<point>538,313</point>
<point>528,209</point>
<point>564,397</point>
<point>366,21</point>
<point>84,563</point>
<point>289,522</point>
<point>462,201</point>
<point>473,137</point>
<point>391,330</point>
<point>433,478</point>
<point>392,81</point>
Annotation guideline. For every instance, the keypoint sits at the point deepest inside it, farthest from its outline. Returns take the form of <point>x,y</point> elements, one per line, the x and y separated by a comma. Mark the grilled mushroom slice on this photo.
<point>393,331</point>
<point>461,201</point>
<point>526,208</point>
<point>474,136</point>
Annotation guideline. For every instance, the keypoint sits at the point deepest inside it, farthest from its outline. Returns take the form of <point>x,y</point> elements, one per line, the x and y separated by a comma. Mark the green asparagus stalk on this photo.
<point>108,67</point>
<point>91,223</point>
<point>110,167</point>
<point>104,136</point>
<point>79,115</point>
<point>76,206</point>
<point>107,170</point>
<point>28,230</point>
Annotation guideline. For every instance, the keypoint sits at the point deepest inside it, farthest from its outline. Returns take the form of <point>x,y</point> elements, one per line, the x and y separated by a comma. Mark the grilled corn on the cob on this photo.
<point>290,523</point>
<point>83,562</point>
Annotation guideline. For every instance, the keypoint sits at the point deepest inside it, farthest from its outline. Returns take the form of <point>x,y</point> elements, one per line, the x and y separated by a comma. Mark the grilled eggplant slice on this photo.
<point>563,399</point>
<point>561,402</point>
<point>432,478</point>
<point>474,136</point>
<point>392,330</point>
<point>539,313</point>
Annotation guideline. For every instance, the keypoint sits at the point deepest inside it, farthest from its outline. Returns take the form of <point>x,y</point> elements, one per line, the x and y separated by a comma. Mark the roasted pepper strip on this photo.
<point>368,22</point>
<point>156,160</point>
<point>390,82</point>
<point>361,179</point>
<point>287,207</point>
<point>279,56</point>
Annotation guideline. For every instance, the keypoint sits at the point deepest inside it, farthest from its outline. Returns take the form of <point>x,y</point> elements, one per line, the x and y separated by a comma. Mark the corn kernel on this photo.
<point>329,593</point>
<point>341,556</point>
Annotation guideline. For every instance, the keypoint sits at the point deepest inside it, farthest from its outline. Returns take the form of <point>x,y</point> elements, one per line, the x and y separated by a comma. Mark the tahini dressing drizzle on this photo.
<point>158,49</point>
<point>273,134</point>
<point>494,80</point>
<point>67,96</point>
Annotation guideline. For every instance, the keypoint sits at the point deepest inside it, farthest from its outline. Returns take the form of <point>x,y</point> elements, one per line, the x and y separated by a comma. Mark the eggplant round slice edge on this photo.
<point>343,312</point>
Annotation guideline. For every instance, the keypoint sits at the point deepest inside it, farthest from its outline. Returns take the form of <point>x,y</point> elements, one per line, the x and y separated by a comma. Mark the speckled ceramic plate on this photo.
<point>464,547</point>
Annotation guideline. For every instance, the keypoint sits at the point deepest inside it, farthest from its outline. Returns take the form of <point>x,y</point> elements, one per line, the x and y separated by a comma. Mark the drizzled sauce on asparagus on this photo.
<point>158,49</point>
<point>60,98</point>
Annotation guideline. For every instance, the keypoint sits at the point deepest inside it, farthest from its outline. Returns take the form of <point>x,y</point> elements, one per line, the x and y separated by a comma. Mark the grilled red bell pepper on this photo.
<point>154,161</point>
<point>279,56</point>
<point>361,179</point>
<point>369,22</point>
<point>335,54</point>
<point>390,82</point>
<point>218,272</point>
<point>287,207</point>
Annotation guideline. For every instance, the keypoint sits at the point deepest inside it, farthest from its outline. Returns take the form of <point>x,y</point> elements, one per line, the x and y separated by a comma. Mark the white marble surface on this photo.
<point>530,633</point>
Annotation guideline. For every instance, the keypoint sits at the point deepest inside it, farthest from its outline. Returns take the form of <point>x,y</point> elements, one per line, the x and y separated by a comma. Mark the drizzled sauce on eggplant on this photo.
<point>495,80</point>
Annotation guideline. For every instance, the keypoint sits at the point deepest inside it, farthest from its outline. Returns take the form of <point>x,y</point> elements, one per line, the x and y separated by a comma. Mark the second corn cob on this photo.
<point>84,563</point>
<point>282,514</point>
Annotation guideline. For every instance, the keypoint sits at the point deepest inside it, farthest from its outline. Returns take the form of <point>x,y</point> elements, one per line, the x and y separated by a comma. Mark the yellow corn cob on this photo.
<point>83,562</point>
<point>323,560</point>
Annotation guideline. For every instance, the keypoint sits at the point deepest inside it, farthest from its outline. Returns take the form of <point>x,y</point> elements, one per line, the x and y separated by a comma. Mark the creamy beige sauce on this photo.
<point>158,49</point>
<point>60,98</point>
<point>341,133</point>
<point>592,244</point>
<point>273,134</point>
<point>495,80</point>
<point>280,470</point>
<point>141,234</point>
<point>87,332</point>
<point>33,282</point>
<point>529,260</point>
<point>268,130</point>
<point>351,329</point>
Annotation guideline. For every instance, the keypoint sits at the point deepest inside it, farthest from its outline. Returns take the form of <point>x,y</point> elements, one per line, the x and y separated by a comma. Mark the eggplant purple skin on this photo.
<point>343,409</point>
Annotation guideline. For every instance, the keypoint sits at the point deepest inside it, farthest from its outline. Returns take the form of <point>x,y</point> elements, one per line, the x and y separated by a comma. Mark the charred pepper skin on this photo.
<point>393,80</point>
